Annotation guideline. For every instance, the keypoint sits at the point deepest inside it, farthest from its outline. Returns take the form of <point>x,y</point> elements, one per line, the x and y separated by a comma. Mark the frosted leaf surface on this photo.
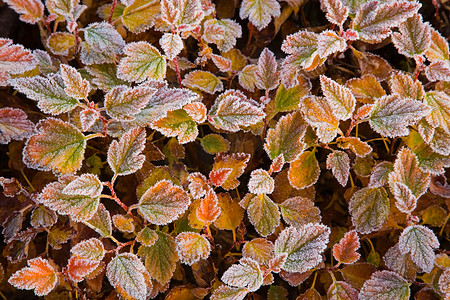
<point>259,12</point>
<point>225,292</point>
<point>404,86</point>
<point>204,81</point>
<point>198,185</point>
<point>345,250</point>
<point>172,44</point>
<point>104,36</point>
<point>258,249</point>
<point>339,163</point>
<point>235,161</point>
<point>260,182</point>
<point>414,37</point>
<point>304,171</point>
<point>319,114</point>
<point>245,274</point>
<point>209,209</point>
<point>192,247</point>
<point>85,184</point>
<point>224,33</point>
<point>263,213</point>
<point>75,86</point>
<point>440,105</point>
<point>339,97</point>
<point>329,42</point>
<point>89,249</point>
<point>299,211</point>
<point>336,11</point>
<point>30,11</point>
<point>380,174</point>
<point>266,72</point>
<point>122,102</point>
<point>385,285</point>
<point>14,125</point>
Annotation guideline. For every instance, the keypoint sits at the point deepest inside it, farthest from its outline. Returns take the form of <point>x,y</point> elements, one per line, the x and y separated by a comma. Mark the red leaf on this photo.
<point>345,250</point>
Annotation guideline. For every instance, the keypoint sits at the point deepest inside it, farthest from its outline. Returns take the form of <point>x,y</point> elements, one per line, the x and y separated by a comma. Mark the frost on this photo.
<point>43,217</point>
<point>440,105</point>
<point>337,13</point>
<point>360,148</point>
<point>380,174</point>
<point>444,282</point>
<point>78,268</point>
<point>235,161</point>
<point>438,70</point>
<point>204,81</point>
<point>89,249</point>
<point>404,86</point>
<point>104,37</point>
<point>266,74</point>
<point>369,208</point>
<point>184,15</point>
<point>104,76</point>
<point>122,102</point>
<point>163,203</point>
<point>247,77</point>
<point>62,7</point>
<point>342,290</point>
<point>329,42</point>
<point>31,11</point>
<point>147,237</point>
<point>260,182</point>
<point>101,221</point>
<point>365,89</point>
<point>245,274</point>
<point>438,49</point>
<point>198,185</point>
<point>299,211</point>
<point>263,213</point>
<point>192,247</point>
<point>339,163</point>
<point>319,114</point>
<point>177,123</point>
<point>124,223</point>
<point>420,242</point>
<point>303,245</point>
<point>197,111</point>
<point>222,63</point>
<point>14,125</point>
<point>75,86</point>
<point>345,251</point>
<point>172,44</point>
<point>259,249</point>
<point>400,263</point>
<point>259,12</point>
<point>340,98</point>
<point>124,157</point>
<point>414,37</point>
<point>14,59</point>
<point>86,184</point>
<point>225,292</point>
<point>385,285</point>
<point>223,33</point>
<point>90,55</point>
<point>303,47</point>
<point>140,15</point>
<point>209,209</point>
<point>304,171</point>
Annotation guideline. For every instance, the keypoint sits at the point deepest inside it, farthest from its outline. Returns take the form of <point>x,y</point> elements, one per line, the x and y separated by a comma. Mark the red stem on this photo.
<point>177,69</point>
<point>113,6</point>
<point>114,196</point>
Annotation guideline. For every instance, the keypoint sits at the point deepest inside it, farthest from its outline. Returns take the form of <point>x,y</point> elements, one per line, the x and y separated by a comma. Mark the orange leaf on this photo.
<point>235,161</point>
<point>345,250</point>
<point>209,209</point>
<point>78,268</point>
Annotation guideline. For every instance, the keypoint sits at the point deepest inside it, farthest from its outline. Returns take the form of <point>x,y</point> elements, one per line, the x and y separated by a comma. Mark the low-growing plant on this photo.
<point>154,151</point>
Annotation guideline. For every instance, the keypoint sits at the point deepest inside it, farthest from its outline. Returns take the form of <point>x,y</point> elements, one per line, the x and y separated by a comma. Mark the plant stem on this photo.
<point>113,6</point>
<point>177,69</point>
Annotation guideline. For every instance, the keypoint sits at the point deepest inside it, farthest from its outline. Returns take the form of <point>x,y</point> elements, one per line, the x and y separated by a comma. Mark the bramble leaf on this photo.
<point>147,236</point>
<point>438,49</point>
<point>198,185</point>
<point>359,147</point>
<point>223,33</point>
<point>78,268</point>
<point>14,125</point>
<point>101,221</point>
<point>31,11</point>
<point>404,86</point>
<point>345,251</point>
<point>440,105</point>
<point>400,263</point>
<point>289,99</point>
<point>39,275</point>
<point>104,76</point>
<point>260,182</point>
<point>219,176</point>
<point>172,44</point>
<point>124,157</point>
<point>319,114</point>
<point>104,37</point>
<point>124,223</point>
<point>303,245</point>
<point>209,209</point>
<point>342,290</point>
<point>177,123</point>
<point>122,102</point>
<point>369,208</point>
<point>303,47</point>
<point>204,81</point>
<point>444,282</point>
<point>214,143</point>
<point>414,37</point>
<point>438,70</point>
<point>235,161</point>
<point>89,249</point>
<point>339,163</point>
<point>258,249</point>
<point>259,12</point>
<point>43,217</point>
<point>163,203</point>
<point>337,13</point>
<point>330,42</point>
<point>231,213</point>
<point>85,184</point>
<point>380,174</point>
<point>263,213</point>
<point>340,98</point>
<point>365,89</point>
<point>192,247</point>
<point>266,73</point>
<point>225,292</point>
<point>140,15</point>
<point>247,77</point>
<point>299,211</point>
<point>57,146</point>
<point>14,59</point>
<point>245,274</point>
<point>304,171</point>
<point>385,284</point>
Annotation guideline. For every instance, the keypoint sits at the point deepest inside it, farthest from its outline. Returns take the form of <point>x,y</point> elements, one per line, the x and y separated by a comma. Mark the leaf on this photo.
<point>214,143</point>
<point>440,105</point>
<point>259,249</point>
<point>225,292</point>
<point>104,37</point>
<point>444,282</point>
<point>43,217</point>
<point>266,73</point>
<point>400,263</point>
<point>420,242</point>
<point>385,284</point>
<point>303,47</point>
<point>414,37</point>
<point>172,44</point>
<point>369,209</point>
<point>245,274</point>
<point>61,7</point>
<point>303,245</point>
<point>14,125</point>
<point>373,20</point>
<point>209,209</point>
<point>62,43</point>
<point>140,15</point>
<point>304,171</point>
<point>14,59</point>
<point>345,251</point>
<point>80,207</point>
<point>390,115</point>
<point>289,99</point>
<point>39,275</point>
<point>78,268</point>
<point>235,161</point>
<point>124,157</point>
<point>204,81</point>
<point>404,86</point>
<point>177,123</point>
<point>90,55</point>
<point>192,247</point>
<point>407,181</point>
<point>185,15</point>
<point>223,33</point>
<point>163,203</point>
<point>147,236</point>
<point>365,89</point>
<point>143,61</point>
<point>101,221</point>
<point>380,174</point>
<point>438,49</point>
<point>339,163</point>
<point>287,137</point>
<point>128,276</point>
<point>319,114</point>
<point>342,290</point>
<point>360,148</point>
<point>438,70</point>
<point>47,91</point>
<point>198,185</point>
<point>263,214</point>
<point>231,213</point>
<point>260,182</point>
<point>30,11</point>
<point>160,258</point>
<point>299,211</point>
<point>122,102</point>
<point>104,76</point>
<point>259,12</point>
<point>247,77</point>
<point>57,146</point>
<point>85,184</point>
<point>124,223</point>
<point>89,249</point>
<point>233,110</point>
<point>340,98</point>
<point>329,42</point>
<point>337,13</point>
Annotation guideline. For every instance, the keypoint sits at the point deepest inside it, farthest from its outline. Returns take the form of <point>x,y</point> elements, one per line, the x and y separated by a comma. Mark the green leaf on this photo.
<point>245,274</point>
<point>440,105</point>
<point>101,221</point>
<point>214,143</point>
<point>177,123</point>
<point>225,292</point>
<point>57,146</point>
<point>263,214</point>
<point>385,284</point>
<point>304,171</point>
<point>122,102</point>
<point>204,81</point>
<point>289,99</point>
<point>104,76</point>
<point>104,37</point>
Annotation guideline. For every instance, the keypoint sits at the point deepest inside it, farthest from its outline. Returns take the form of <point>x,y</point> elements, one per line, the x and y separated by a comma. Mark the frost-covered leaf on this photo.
<point>380,174</point>
<point>209,209</point>
<point>245,274</point>
<point>219,176</point>
<point>90,55</point>
<point>288,99</point>
<point>304,171</point>
<point>128,276</point>
<point>197,111</point>
<point>247,77</point>
<point>85,184</point>
<point>160,258</point>
<point>222,63</point>
<point>233,110</point>
<point>44,62</point>
<point>235,161</point>
<point>330,42</point>
<point>438,49</point>
<point>259,12</point>
<point>407,181</point>
<point>258,249</point>
<point>14,59</point>
<point>359,147</point>
<point>140,15</point>
<point>214,143</point>
<point>404,86</point>
<point>47,91</point>
<point>336,11</point>
<point>365,89</point>
<point>260,182</point>
<point>390,115</point>
<point>303,47</point>
<point>438,70</point>
<point>124,156</point>
<point>63,43</point>
<point>231,213</point>
<point>14,125</point>
<point>104,76</point>
<point>31,11</point>
<point>57,146</point>
<point>43,217</point>
<point>223,33</point>
<point>400,263</point>
<point>420,242</point>
<point>122,102</point>
<point>319,114</point>
<point>263,213</point>
<point>39,275</point>
<point>163,203</point>
<point>104,36</point>
<point>177,123</point>
<point>61,7</point>
<point>303,245</point>
<point>142,61</point>
<point>414,37</point>
<point>369,208</point>
<point>78,268</point>
<point>147,236</point>
<point>340,98</point>
<point>440,105</point>
<point>88,117</point>
<point>192,247</point>
<point>198,185</point>
<point>345,251</point>
<point>172,44</point>
<point>339,163</point>
<point>385,285</point>
<point>101,221</point>
<point>266,73</point>
<point>80,207</point>
<point>225,292</point>
<point>444,282</point>
<point>287,137</point>
<point>341,290</point>
<point>124,223</point>
<point>373,20</point>
<point>89,249</point>
<point>204,81</point>
<point>299,211</point>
